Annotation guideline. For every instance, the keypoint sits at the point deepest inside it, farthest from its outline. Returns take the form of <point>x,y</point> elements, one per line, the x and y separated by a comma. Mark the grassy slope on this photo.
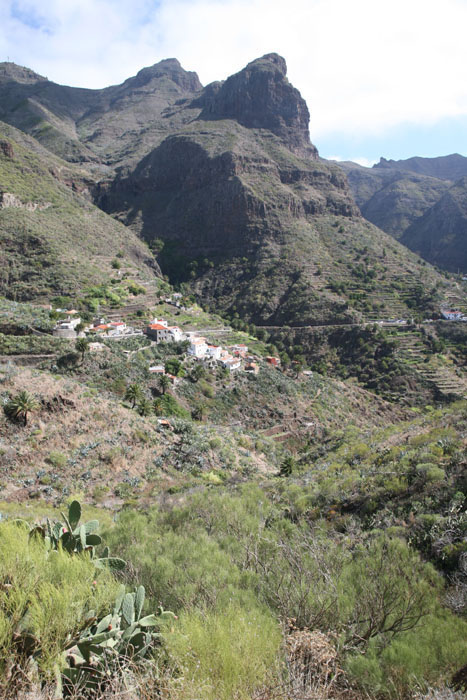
<point>68,244</point>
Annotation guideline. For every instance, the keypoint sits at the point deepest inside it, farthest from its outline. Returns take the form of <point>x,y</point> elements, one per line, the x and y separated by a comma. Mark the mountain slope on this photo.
<point>251,216</point>
<point>450,167</point>
<point>440,235</point>
<point>398,197</point>
<point>53,240</point>
<point>97,126</point>
<point>228,180</point>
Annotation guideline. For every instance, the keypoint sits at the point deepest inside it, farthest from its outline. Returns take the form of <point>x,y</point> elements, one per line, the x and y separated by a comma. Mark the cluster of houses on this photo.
<point>199,348</point>
<point>231,358</point>
<point>68,327</point>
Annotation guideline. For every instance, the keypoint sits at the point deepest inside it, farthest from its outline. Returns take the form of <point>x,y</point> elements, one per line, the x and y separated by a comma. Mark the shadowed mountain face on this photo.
<point>405,198</point>
<point>228,180</point>
<point>441,233</point>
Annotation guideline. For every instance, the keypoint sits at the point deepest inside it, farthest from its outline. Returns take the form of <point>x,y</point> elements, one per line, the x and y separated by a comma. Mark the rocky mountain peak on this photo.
<point>270,61</point>
<point>261,97</point>
<point>169,68</point>
<point>19,74</point>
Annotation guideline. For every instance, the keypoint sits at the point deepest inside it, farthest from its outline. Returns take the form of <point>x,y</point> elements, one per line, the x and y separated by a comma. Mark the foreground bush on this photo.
<point>223,655</point>
<point>44,599</point>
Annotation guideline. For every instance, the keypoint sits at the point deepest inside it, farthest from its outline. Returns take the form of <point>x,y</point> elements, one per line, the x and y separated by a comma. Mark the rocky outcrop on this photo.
<point>7,149</point>
<point>261,97</point>
<point>8,200</point>
<point>169,68</point>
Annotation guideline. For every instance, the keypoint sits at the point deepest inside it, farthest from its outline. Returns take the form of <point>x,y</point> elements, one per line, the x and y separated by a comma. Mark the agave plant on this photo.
<point>75,537</point>
<point>105,646</point>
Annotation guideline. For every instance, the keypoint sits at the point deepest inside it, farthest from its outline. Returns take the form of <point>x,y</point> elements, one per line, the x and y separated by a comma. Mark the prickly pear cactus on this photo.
<point>75,537</point>
<point>104,646</point>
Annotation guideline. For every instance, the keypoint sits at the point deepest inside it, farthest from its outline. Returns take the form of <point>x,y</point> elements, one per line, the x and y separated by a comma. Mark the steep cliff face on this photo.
<point>223,203</point>
<point>261,97</point>
<point>247,212</point>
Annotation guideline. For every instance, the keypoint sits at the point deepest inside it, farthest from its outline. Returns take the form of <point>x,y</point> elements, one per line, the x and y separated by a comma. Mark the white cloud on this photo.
<point>363,66</point>
<point>360,160</point>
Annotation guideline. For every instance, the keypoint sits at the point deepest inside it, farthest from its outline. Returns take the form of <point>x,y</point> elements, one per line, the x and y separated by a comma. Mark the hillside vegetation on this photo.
<point>272,506</point>
<point>53,240</point>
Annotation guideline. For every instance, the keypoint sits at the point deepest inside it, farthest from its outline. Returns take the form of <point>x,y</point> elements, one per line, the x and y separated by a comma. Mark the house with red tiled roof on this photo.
<point>161,332</point>
<point>451,315</point>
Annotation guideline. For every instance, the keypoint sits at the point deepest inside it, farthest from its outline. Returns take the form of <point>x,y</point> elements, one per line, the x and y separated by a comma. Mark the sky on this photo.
<point>380,78</point>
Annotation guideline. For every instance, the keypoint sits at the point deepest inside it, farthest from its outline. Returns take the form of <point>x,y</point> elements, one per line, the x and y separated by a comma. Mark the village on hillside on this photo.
<point>231,358</point>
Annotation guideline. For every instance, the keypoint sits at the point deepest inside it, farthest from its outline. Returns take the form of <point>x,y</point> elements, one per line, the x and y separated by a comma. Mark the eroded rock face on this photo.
<point>7,149</point>
<point>260,96</point>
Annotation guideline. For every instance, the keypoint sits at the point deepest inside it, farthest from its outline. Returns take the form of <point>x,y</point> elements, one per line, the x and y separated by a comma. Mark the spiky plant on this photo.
<point>20,406</point>
<point>145,407</point>
<point>133,393</point>
<point>163,383</point>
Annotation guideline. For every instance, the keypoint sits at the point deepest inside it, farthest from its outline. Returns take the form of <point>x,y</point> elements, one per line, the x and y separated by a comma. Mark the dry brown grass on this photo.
<point>69,420</point>
<point>88,444</point>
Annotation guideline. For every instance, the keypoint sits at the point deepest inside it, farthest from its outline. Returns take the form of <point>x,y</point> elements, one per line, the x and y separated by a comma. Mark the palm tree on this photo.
<point>133,393</point>
<point>198,372</point>
<point>20,406</point>
<point>164,383</point>
<point>145,407</point>
<point>81,346</point>
<point>157,406</point>
<point>197,412</point>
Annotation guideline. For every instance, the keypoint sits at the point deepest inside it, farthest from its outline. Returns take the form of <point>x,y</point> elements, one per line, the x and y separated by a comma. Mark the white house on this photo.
<point>451,315</point>
<point>229,362</point>
<point>116,328</point>
<point>198,346</point>
<point>67,327</point>
<point>214,352</point>
<point>176,333</point>
<point>69,323</point>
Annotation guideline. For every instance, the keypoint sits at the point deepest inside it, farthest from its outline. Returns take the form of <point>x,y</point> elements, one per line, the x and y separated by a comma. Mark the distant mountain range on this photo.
<point>420,201</point>
<point>224,185</point>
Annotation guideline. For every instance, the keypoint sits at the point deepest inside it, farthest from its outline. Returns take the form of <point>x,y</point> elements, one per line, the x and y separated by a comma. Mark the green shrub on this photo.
<point>57,459</point>
<point>227,654</point>
<point>45,595</point>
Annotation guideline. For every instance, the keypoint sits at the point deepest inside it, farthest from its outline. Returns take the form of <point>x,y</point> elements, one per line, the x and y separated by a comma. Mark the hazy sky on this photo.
<point>380,78</point>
